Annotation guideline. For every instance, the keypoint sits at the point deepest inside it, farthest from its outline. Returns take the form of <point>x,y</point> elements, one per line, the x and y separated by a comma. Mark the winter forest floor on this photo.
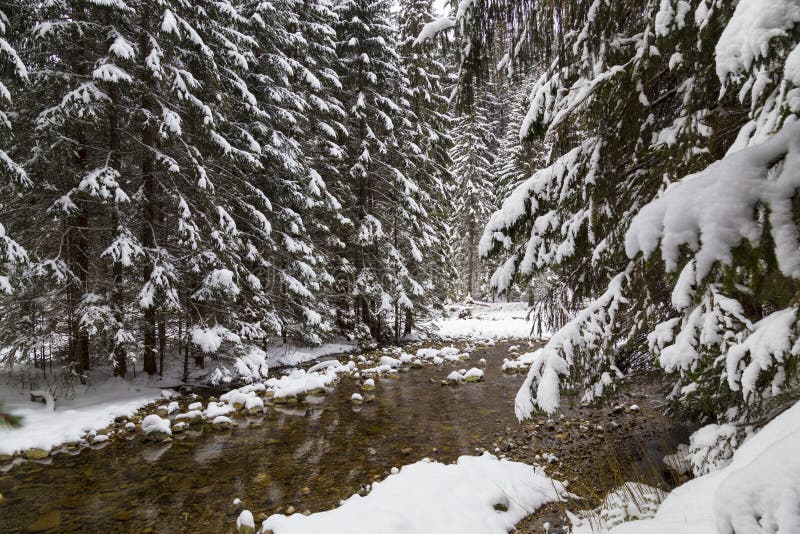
<point>309,453</point>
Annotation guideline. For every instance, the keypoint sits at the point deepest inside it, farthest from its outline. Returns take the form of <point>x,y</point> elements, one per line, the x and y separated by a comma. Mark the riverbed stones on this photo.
<point>305,491</point>
<point>49,521</point>
<point>155,428</point>
<point>254,406</point>
<point>222,423</point>
<point>36,454</point>
<point>192,418</point>
<point>123,515</point>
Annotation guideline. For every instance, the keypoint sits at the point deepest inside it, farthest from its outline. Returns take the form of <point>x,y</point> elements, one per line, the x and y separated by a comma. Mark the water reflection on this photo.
<point>327,444</point>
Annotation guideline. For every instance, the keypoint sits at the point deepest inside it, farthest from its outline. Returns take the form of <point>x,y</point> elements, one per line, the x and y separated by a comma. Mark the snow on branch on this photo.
<point>714,210</point>
<point>747,36</point>
<point>433,28</point>
<point>552,233</point>
<point>589,331</point>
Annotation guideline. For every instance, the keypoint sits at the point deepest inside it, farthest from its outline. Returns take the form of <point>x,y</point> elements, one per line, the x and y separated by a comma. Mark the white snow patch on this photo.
<point>436,498</point>
<point>757,492</point>
<point>45,428</point>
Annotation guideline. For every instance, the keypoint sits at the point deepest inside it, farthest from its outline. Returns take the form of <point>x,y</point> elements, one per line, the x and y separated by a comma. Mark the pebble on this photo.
<point>305,491</point>
<point>290,510</point>
<point>36,454</point>
<point>49,521</point>
<point>123,515</point>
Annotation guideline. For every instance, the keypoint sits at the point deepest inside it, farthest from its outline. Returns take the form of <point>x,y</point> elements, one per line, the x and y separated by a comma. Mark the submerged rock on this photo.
<point>49,521</point>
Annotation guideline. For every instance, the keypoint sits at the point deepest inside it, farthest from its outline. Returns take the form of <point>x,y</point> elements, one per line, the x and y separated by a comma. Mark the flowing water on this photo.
<point>326,445</point>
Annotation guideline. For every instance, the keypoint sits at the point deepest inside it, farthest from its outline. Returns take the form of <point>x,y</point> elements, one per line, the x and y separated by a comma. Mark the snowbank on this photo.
<point>757,492</point>
<point>476,495</point>
<point>95,409</point>
<point>289,355</point>
<point>490,321</point>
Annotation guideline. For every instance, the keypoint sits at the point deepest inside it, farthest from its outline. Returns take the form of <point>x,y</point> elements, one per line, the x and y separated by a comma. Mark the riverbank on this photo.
<point>293,457</point>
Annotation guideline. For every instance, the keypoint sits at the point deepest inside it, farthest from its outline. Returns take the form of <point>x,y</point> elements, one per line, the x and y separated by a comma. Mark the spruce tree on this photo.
<point>12,174</point>
<point>381,197</point>
<point>428,141</point>
<point>473,157</point>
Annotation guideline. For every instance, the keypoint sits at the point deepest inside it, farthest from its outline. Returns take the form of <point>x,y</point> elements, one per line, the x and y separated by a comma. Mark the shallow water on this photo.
<point>326,445</point>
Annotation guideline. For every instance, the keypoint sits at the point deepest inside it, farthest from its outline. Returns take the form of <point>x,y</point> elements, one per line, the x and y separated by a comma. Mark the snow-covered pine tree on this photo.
<point>12,175</point>
<point>638,96</point>
<point>428,142</point>
<point>299,133</point>
<point>379,195</point>
<point>67,123</point>
<point>516,158</point>
<point>474,191</point>
<point>206,154</point>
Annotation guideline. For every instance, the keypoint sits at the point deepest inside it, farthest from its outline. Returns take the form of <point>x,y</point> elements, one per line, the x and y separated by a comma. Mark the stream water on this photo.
<point>325,445</point>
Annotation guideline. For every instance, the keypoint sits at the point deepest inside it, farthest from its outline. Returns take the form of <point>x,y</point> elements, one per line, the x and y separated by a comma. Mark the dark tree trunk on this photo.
<point>148,202</point>
<point>120,353</point>
<point>162,343</point>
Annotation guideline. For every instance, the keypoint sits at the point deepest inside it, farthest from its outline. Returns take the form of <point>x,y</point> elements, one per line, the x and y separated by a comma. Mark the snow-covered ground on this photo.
<point>486,321</point>
<point>93,408</point>
<point>476,495</point>
<point>96,405</point>
<point>288,354</point>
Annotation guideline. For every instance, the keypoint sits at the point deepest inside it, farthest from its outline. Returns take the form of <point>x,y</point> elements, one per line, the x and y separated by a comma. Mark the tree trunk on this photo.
<point>120,353</point>
<point>149,201</point>
<point>162,342</point>
<point>79,252</point>
<point>471,258</point>
<point>409,322</point>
